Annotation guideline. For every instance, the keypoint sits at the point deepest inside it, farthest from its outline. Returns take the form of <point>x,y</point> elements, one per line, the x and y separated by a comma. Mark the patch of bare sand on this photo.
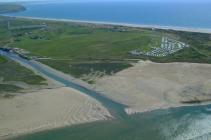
<point>148,85</point>
<point>46,109</point>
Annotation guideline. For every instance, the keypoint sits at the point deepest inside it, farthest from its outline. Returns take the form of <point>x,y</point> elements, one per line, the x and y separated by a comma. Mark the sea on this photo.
<point>182,123</point>
<point>177,14</point>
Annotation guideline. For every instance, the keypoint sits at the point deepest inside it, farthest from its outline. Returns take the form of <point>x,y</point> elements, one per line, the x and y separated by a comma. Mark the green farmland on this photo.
<point>69,41</point>
<point>81,48</point>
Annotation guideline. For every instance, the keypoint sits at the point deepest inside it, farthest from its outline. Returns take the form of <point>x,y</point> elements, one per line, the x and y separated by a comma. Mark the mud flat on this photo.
<point>47,109</point>
<point>148,86</point>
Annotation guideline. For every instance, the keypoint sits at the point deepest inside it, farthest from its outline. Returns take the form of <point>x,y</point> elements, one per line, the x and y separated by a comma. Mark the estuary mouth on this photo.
<point>105,70</point>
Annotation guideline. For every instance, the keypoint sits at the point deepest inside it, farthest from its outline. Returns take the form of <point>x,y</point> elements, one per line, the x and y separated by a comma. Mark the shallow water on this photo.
<point>192,15</point>
<point>184,123</point>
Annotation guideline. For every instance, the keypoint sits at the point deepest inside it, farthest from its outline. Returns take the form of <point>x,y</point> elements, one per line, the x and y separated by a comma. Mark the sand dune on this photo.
<point>148,85</point>
<point>46,109</point>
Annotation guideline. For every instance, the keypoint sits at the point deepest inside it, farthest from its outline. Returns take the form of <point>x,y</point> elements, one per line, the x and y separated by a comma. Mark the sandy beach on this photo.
<point>148,86</point>
<point>198,30</point>
<point>47,109</point>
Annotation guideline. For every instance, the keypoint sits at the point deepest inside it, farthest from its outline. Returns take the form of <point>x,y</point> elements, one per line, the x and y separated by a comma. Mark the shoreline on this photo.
<point>131,111</point>
<point>65,113</point>
<point>168,86</point>
<point>7,137</point>
<point>175,28</point>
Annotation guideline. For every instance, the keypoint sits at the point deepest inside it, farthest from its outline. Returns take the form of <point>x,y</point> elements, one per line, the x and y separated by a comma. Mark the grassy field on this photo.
<point>74,48</point>
<point>13,72</point>
<point>6,88</point>
<point>2,59</point>
<point>89,69</point>
<point>10,8</point>
<point>70,41</point>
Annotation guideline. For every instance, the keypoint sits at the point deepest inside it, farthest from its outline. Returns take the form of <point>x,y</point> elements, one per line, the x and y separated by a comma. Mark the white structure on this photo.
<point>168,46</point>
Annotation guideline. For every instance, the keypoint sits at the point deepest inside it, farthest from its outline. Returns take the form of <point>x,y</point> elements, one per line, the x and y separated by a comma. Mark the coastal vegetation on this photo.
<point>12,71</point>
<point>5,88</point>
<point>83,49</point>
<point>88,70</point>
<point>2,59</point>
<point>12,75</point>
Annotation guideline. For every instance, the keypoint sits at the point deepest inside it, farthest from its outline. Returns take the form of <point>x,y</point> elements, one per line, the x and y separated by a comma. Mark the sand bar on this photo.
<point>148,86</point>
<point>47,109</point>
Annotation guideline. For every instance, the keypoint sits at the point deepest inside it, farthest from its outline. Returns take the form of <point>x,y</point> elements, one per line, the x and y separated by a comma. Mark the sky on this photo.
<point>111,0</point>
